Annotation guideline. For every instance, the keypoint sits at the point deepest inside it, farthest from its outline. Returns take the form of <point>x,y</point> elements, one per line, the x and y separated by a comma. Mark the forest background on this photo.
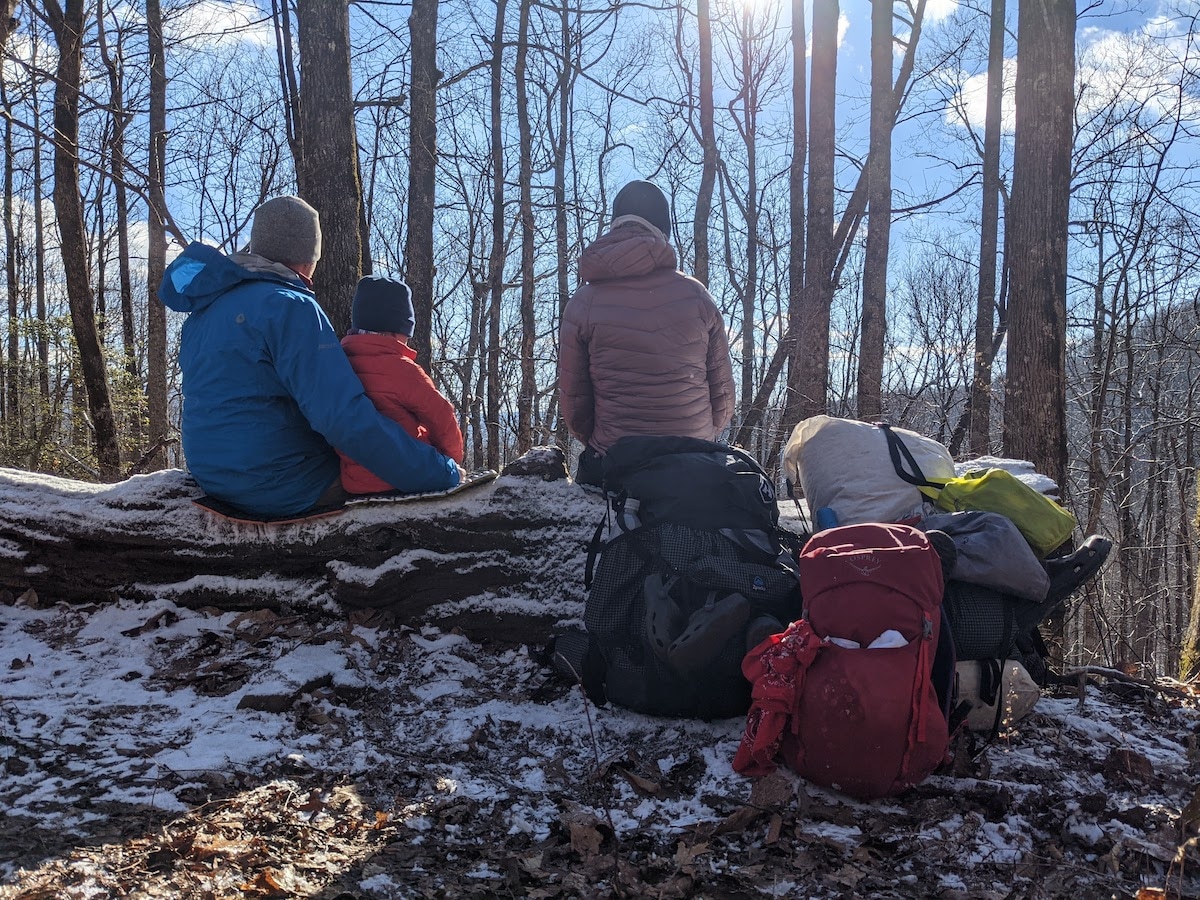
<point>975,221</point>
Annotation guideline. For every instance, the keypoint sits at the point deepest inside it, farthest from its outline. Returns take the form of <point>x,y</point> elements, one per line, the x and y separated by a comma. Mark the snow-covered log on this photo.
<point>503,560</point>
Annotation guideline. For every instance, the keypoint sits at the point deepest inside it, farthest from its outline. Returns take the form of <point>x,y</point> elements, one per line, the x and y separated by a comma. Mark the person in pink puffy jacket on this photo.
<point>643,347</point>
<point>382,320</point>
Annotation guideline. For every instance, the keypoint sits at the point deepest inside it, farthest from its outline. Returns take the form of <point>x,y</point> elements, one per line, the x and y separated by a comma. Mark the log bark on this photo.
<point>503,561</point>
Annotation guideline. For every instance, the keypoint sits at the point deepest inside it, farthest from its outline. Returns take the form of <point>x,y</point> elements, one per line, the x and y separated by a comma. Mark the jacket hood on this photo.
<point>201,274</point>
<point>629,250</point>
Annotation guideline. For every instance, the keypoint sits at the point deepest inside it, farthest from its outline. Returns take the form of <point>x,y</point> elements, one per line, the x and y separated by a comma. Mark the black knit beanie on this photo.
<point>383,304</point>
<point>645,200</point>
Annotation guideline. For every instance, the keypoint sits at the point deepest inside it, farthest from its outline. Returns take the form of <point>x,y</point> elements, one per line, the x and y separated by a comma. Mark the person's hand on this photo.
<point>462,473</point>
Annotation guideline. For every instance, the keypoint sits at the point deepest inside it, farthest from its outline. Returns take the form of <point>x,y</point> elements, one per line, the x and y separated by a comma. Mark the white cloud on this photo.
<point>1140,68</point>
<point>939,10</point>
<point>969,106</point>
<point>1143,68</point>
<point>216,22</point>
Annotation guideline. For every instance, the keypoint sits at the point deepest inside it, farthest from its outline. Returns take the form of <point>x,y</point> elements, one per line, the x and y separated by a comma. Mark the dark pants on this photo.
<point>332,497</point>
<point>591,469</point>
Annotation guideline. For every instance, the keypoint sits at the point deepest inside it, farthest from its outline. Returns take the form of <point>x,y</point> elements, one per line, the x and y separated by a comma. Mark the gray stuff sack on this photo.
<point>992,553</point>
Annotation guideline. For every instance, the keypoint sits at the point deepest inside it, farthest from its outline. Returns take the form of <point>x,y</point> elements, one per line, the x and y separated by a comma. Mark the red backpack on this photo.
<point>865,721</point>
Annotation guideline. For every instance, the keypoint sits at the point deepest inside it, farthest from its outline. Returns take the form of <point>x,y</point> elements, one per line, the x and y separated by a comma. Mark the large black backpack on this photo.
<point>674,594</point>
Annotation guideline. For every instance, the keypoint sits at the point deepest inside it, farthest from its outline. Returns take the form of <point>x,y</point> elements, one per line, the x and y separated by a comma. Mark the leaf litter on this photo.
<point>154,751</point>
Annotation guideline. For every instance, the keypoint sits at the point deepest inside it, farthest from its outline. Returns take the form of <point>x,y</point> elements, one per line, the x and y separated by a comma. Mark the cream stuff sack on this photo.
<point>845,465</point>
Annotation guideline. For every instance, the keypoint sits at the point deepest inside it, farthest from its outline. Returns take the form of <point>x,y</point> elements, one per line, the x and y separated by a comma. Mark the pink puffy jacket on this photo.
<point>402,391</point>
<point>643,348</point>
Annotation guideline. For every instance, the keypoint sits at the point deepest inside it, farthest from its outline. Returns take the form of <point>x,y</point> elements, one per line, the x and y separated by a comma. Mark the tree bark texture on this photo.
<point>796,203</point>
<point>528,388</point>
<point>327,171</point>
<point>496,258</point>
<point>422,170</point>
<point>879,217</point>
<point>156,258</point>
<point>708,142</point>
<point>1035,390</point>
<point>503,561</point>
<point>8,20</point>
<point>67,24</point>
<point>810,369</point>
<point>980,437</point>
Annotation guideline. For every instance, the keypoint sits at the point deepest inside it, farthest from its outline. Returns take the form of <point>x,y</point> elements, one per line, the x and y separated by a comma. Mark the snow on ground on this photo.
<point>153,750</point>
<point>146,711</point>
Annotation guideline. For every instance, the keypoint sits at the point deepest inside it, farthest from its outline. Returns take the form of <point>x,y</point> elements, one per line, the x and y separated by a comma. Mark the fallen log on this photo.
<point>502,561</point>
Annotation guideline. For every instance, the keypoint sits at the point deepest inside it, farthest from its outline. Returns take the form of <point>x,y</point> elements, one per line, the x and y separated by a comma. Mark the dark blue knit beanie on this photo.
<point>382,303</point>
<point>645,200</point>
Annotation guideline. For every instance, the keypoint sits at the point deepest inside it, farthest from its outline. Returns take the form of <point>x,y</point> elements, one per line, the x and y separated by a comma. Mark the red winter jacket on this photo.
<point>643,348</point>
<point>402,391</point>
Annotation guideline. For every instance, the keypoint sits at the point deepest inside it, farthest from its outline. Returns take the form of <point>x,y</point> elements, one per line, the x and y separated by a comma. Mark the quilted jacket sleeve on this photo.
<point>720,373</point>
<point>576,399</point>
<point>436,413</point>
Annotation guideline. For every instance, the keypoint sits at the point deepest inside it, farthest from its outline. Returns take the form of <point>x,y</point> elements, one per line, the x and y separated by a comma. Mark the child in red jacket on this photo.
<point>382,321</point>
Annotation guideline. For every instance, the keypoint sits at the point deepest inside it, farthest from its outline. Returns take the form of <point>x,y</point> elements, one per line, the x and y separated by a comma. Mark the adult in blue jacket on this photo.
<point>268,392</point>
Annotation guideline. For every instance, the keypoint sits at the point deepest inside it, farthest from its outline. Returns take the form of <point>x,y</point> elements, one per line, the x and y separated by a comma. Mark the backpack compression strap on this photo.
<point>901,455</point>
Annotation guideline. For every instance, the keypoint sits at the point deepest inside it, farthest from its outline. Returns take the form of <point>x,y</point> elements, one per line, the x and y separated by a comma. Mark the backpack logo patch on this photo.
<point>758,584</point>
<point>865,564</point>
<point>766,490</point>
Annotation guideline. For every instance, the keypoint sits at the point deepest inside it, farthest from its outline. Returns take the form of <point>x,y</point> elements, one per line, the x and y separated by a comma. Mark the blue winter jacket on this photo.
<point>268,391</point>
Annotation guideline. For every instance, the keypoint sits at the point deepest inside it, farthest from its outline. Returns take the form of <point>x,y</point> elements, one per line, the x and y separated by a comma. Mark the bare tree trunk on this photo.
<point>422,169</point>
<point>879,220</point>
<point>39,236</point>
<point>527,392</point>
<point>8,20</point>
<point>708,143</point>
<point>980,439</point>
<point>496,261</point>
<point>1189,658</point>
<point>1035,418</point>
<point>795,203</point>
<point>9,379</point>
<point>562,145</point>
<point>810,370</point>
<point>327,171</point>
<point>156,314</point>
<point>288,83</point>
<point>1035,392</point>
<point>842,241</point>
<point>67,24</point>
<point>749,103</point>
<point>120,121</point>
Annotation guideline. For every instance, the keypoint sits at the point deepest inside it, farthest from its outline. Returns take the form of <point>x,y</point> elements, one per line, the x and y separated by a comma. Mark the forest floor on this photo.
<point>152,751</point>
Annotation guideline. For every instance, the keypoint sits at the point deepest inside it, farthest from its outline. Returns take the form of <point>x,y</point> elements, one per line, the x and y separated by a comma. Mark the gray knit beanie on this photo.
<point>645,200</point>
<point>286,230</point>
<point>383,304</point>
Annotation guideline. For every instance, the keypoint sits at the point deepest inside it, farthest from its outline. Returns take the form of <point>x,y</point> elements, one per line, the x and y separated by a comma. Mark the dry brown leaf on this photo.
<point>847,876</point>
<point>685,856</point>
<point>1122,761</point>
<point>163,617</point>
<point>1189,816</point>
<point>314,804</point>
<point>775,828</point>
<point>739,820</point>
<point>586,838</point>
<point>642,785</point>
<point>531,864</point>
<point>772,791</point>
